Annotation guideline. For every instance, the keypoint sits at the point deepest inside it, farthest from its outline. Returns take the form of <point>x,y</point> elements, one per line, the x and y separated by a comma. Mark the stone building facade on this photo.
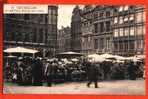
<point>113,29</point>
<point>64,39</point>
<point>129,30</point>
<point>38,31</point>
<point>76,30</point>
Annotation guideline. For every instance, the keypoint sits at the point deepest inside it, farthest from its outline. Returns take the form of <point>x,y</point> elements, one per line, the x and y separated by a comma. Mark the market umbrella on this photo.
<point>113,57</point>
<point>96,58</point>
<point>20,50</point>
<point>133,58</point>
<point>140,56</point>
<point>119,57</point>
<point>107,55</point>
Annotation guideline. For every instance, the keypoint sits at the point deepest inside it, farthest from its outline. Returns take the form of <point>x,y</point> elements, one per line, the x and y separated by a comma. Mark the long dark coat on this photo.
<point>92,72</point>
<point>37,72</point>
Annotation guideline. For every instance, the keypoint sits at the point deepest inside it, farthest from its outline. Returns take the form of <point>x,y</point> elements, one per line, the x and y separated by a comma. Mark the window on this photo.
<point>41,18</point>
<point>41,35</point>
<point>126,31</point>
<point>46,19</point>
<point>121,9</point>
<point>19,33</point>
<point>101,27</point>
<point>139,30</point>
<point>96,28</point>
<point>101,43</point>
<point>83,40</point>
<point>89,39</point>
<point>121,46</point>
<point>101,14</point>
<point>131,17</point>
<point>140,44</point>
<point>132,31</point>
<point>139,17</point>
<point>126,46</point>
<point>49,19</point>
<point>120,20</point>
<point>96,15</point>
<point>121,32</point>
<point>126,8</point>
<point>132,44</point>
<point>54,12</point>
<point>107,14</point>
<point>108,43</point>
<point>96,44</point>
<point>46,35</point>
<point>108,26</point>
<point>54,19</point>
<point>115,46</point>
<point>49,11</point>
<point>116,33</point>
<point>125,18</point>
<point>116,20</point>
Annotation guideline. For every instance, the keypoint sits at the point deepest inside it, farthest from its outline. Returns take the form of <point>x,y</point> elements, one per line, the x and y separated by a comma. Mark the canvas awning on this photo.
<point>69,54</point>
<point>96,58</point>
<point>20,50</point>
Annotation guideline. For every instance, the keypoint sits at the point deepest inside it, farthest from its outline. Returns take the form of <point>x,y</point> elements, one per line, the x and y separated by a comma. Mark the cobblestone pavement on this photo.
<point>118,87</point>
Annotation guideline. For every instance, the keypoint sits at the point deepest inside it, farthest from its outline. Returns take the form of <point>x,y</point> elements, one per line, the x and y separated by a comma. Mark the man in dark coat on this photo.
<point>92,74</point>
<point>132,71</point>
<point>37,72</point>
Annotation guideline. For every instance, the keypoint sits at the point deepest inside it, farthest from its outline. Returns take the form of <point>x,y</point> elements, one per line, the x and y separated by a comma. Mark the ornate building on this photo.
<point>38,31</point>
<point>113,29</point>
<point>102,24</point>
<point>129,30</point>
<point>76,30</point>
<point>64,39</point>
<point>87,29</point>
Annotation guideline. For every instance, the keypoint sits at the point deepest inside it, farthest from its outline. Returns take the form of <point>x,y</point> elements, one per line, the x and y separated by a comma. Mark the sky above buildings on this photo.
<point>64,15</point>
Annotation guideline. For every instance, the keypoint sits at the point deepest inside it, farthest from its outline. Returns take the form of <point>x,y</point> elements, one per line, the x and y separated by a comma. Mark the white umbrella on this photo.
<point>96,58</point>
<point>140,56</point>
<point>107,56</point>
<point>110,56</point>
<point>119,57</point>
<point>69,54</point>
<point>20,50</point>
<point>133,58</point>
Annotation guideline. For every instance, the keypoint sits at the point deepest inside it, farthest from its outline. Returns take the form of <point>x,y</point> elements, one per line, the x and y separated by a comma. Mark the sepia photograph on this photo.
<point>74,49</point>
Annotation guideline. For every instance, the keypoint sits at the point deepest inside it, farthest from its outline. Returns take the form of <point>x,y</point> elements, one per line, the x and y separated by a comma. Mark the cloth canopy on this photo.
<point>140,56</point>
<point>96,58</point>
<point>107,55</point>
<point>20,50</point>
<point>69,54</point>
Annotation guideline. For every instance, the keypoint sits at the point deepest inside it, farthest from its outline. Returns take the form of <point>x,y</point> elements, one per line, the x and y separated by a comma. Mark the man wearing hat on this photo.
<point>92,74</point>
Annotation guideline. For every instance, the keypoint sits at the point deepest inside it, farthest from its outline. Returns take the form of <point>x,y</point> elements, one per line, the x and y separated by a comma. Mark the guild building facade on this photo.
<point>76,30</point>
<point>37,31</point>
<point>113,29</point>
<point>64,39</point>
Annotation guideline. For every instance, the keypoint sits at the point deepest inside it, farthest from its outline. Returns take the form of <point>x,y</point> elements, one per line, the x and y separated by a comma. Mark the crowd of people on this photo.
<point>36,71</point>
